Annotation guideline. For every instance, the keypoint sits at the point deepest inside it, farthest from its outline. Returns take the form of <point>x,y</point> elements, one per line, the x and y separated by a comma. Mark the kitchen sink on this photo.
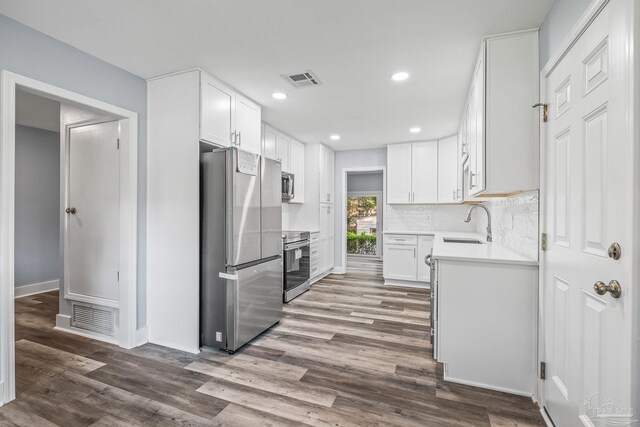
<point>462,240</point>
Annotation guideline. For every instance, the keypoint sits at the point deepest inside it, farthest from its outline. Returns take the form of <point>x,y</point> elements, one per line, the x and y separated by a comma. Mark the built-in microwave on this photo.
<point>288,187</point>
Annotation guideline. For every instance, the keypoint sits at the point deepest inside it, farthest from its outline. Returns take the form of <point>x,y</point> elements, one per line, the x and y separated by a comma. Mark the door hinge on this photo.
<point>543,241</point>
<point>118,144</point>
<point>543,371</point>
<point>544,110</point>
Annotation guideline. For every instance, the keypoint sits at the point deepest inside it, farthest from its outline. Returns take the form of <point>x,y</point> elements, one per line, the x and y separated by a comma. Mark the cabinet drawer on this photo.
<point>315,237</point>
<point>314,253</point>
<point>400,239</point>
<point>315,269</point>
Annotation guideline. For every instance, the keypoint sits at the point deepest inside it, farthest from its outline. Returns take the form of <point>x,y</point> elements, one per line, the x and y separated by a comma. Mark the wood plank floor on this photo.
<point>350,352</point>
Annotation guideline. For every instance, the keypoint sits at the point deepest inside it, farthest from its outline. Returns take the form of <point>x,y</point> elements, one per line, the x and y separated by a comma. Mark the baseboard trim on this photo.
<point>142,336</point>
<point>488,387</point>
<point>339,270</point>
<point>2,402</point>
<point>173,346</point>
<point>407,284</point>
<point>63,324</point>
<point>37,288</point>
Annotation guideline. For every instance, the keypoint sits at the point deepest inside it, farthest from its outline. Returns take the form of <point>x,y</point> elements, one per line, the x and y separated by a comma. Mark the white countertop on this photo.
<point>487,252</point>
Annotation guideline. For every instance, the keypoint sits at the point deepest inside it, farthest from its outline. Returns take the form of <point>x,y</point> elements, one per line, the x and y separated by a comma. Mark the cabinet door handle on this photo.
<point>414,252</point>
<point>233,138</point>
<point>239,139</point>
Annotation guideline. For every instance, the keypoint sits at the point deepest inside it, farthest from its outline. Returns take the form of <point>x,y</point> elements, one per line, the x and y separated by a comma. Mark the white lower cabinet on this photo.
<point>404,256</point>
<point>490,308</point>
<point>314,258</point>
<point>400,262</point>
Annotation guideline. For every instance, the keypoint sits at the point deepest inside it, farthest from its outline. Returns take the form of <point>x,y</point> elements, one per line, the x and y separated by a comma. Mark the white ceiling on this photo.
<point>352,45</point>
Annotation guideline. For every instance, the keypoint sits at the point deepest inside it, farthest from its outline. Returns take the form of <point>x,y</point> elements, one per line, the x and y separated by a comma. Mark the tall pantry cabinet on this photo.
<point>318,211</point>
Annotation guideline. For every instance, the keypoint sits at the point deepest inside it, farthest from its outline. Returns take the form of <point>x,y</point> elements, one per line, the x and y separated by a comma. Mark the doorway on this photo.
<point>362,221</point>
<point>17,257</point>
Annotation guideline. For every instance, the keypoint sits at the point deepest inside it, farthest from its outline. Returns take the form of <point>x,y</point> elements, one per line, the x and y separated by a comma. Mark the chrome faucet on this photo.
<point>489,235</point>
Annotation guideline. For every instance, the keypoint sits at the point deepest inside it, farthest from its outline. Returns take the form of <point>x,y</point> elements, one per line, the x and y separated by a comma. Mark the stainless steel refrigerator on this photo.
<point>241,247</point>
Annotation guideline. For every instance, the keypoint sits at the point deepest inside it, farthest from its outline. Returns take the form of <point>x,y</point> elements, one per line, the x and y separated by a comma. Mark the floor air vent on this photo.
<point>302,79</point>
<point>93,318</point>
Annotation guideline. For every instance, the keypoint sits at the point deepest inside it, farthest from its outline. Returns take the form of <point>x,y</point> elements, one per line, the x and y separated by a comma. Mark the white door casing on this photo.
<point>92,243</point>
<point>588,169</point>
<point>128,336</point>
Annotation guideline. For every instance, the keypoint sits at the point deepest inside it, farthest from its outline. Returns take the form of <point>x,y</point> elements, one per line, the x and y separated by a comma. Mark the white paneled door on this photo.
<point>92,214</point>
<point>588,328</point>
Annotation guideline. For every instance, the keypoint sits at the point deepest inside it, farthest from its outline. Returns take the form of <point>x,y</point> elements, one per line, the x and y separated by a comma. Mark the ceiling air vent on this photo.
<point>302,79</point>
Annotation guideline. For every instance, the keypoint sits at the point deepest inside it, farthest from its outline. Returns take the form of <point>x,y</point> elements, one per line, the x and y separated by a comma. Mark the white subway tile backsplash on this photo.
<point>427,217</point>
<point>515,222</point>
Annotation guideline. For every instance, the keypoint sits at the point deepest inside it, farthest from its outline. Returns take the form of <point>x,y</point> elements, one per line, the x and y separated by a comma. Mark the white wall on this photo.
<point>365,182</point>
<point>514,222</point>
<point>38,56</point>
<point>37,208</point>
<point>559,20</point>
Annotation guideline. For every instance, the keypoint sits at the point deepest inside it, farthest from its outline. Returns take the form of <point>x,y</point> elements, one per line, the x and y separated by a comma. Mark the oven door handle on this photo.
<point>292,246</point>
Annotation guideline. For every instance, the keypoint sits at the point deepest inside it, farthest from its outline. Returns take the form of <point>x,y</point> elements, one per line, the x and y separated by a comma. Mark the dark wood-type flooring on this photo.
<point>350,352</point>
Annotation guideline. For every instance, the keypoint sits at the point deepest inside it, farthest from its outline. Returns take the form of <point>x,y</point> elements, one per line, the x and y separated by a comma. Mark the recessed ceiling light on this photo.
<point>399,76</point>
<point>335,137</point>
<point>279,95</point>
<point>415,130</point>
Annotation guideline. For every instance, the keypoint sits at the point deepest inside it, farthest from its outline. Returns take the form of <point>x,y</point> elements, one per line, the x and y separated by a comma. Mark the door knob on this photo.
<point>70,210</point>
<point>613,288</point>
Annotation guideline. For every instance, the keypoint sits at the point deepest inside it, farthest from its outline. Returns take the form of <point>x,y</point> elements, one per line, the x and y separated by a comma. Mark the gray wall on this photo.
<point>33,54</point>
<point>559,21</point>
<point>364,182</point>
<point>37,208</point>
<point>350,159</point>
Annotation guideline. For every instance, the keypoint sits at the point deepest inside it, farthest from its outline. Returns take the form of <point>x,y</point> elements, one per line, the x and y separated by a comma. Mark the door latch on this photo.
<point>544,110</point>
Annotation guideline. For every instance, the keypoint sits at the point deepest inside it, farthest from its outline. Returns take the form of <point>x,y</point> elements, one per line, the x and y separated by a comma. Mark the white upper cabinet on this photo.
<point>283,147</point>
<point>279,146</point>
<point>399,173</point>
<point>276,145</point>
<point>269,142</point>
<point>424,172</point>
<point>499,126</point>
<point>412,173</point>
<point>248,125</point>
<point>449,171</point>
<point>296,160</point>
<point>226,117</point>
<point>326,178</point>
<point>217,105</point>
